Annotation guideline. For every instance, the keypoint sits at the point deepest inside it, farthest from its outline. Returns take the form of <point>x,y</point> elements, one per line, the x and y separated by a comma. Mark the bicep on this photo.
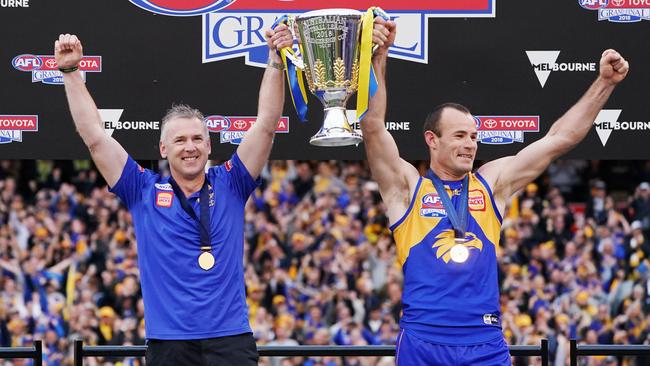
<point>514,172</point>
<point>110,158</point>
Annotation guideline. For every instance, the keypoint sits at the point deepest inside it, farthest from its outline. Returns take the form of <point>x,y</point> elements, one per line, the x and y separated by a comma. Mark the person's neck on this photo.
<point>445,173</point>
<point>189,185</point>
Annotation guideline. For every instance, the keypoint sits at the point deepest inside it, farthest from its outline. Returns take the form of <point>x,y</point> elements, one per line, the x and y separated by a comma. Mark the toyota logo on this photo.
<point>239,124</point>
<point>50,63</point>
<point>618,2</point>
<point>490,123</point>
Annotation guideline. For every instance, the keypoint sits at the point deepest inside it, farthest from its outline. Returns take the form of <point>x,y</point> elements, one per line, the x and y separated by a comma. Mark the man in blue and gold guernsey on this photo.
<point>446,224</point>
<point>189,227</point>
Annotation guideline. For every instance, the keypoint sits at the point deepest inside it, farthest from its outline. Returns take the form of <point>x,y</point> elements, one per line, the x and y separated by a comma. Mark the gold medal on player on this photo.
<point>459,252</point>
<point>206,259</point>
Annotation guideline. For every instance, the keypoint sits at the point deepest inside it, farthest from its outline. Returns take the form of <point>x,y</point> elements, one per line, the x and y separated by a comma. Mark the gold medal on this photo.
<point>459,252</point>
<point>206,259</point>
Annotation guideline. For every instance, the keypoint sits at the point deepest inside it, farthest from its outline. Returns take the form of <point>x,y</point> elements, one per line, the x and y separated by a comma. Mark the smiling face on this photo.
<point>454,150</point>
<point>186,145</point>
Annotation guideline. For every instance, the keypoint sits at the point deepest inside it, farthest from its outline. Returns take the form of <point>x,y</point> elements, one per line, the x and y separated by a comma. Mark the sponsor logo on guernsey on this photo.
<point>13,126</point>
<point>231,129</point>
<point>228,165</point>
<point>476,200</point>
<point>235,28</point>
<point>163,186</point>
<point>164,199</point>
<point>45,70</point>
<point>619,11</point>
<point>432,206</point>
<point>491,319</point>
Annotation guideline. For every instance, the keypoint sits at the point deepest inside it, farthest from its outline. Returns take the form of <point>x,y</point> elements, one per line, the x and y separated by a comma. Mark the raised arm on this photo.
<point>108,154</point>
<point>255,148</point>
<point>395,176</point>
<point>510,174</point>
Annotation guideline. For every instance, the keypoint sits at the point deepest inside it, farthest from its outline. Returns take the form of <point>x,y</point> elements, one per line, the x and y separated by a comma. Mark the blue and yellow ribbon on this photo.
<point>367,78</point>
<point>294,76</point>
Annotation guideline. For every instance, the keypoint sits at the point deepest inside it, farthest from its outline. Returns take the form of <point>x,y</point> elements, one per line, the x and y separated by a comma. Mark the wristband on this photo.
<point>69,70</point>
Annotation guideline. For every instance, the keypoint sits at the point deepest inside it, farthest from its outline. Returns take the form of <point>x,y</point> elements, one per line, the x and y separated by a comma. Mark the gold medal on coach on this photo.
<point>206,259</point>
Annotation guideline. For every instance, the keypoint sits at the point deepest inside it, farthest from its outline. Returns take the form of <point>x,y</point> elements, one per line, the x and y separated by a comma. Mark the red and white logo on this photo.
<point>45,70</point>
<point>164,199</point>
<point>476,200</point>
<point>231,129</point>
<point>13,126</point>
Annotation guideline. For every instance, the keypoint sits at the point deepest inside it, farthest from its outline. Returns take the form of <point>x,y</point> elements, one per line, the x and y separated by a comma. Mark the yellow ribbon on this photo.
<point>365,62</point>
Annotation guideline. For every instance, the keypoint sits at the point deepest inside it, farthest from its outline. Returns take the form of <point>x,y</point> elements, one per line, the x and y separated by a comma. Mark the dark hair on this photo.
<point>432,122</point>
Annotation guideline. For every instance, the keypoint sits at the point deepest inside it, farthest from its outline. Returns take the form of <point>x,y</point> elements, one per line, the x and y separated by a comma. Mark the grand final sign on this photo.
<point>235,28</point>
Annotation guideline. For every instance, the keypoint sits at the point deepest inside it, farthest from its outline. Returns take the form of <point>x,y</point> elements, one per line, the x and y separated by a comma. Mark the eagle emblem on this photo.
<point>445,241</point>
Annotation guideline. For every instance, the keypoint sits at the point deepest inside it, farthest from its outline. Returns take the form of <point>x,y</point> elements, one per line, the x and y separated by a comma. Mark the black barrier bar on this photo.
<point>81,351</point>
<point>35,352</point>
<point>606,350</point>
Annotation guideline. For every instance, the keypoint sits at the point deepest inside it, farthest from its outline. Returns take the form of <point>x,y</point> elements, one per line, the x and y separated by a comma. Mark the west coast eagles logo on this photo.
<point>445,241</point>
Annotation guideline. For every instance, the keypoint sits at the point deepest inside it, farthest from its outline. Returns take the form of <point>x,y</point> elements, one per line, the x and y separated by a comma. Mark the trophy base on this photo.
<point>336,130</point>
<point>336,136</point>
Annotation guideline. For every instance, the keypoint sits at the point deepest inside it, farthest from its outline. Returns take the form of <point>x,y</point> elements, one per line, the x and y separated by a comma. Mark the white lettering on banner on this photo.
<point>544,62</point>
<point>17,123</point>
<point>14,3</point>
<point>567,67</point>
<point>111,119</point>
<point>607,121</point>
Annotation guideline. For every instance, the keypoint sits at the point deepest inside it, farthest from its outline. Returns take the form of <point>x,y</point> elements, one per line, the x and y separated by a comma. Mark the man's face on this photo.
<point>456,146</point>
<point>186,146</point>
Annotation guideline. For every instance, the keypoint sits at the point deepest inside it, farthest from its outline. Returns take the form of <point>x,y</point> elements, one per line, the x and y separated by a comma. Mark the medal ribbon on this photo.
<point>458,218</point>
<point>294,75</point>
<point>204,210</point>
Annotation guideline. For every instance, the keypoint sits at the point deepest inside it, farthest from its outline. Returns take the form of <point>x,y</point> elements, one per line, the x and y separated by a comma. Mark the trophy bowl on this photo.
<point>330,40</point>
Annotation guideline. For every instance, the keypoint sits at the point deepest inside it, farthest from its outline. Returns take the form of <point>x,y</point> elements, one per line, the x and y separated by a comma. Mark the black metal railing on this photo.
<point>578,350</point>
<point>35,352</point>
<point>81,351</point>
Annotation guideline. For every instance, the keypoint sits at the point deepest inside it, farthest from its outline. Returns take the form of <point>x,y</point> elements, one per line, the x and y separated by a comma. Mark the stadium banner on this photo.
<point>517,67</point>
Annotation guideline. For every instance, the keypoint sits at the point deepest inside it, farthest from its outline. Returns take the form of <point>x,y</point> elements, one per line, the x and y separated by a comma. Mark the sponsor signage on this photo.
<point>45,70</point>
<point>545,62</point>
<point>619,11</point>
<point>235,28</point>
<point>501,130</point>
<point>13,126</point>
<point>607,122</point>
<point>231,129</point>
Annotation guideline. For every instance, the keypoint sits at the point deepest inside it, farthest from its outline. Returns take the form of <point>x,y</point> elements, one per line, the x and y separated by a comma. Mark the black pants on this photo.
<point>238,350</point>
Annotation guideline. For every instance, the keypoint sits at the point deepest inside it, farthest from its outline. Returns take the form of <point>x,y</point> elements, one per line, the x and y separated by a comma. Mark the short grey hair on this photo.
<point>181,111</point>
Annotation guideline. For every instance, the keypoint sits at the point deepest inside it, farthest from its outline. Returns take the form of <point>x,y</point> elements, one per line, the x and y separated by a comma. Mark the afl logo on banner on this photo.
<point>231,129</point>
<point>181,8</point>
<point>619,11</point>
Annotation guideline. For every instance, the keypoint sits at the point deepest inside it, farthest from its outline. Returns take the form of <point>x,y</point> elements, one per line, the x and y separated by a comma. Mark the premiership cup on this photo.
<point>331,41</point>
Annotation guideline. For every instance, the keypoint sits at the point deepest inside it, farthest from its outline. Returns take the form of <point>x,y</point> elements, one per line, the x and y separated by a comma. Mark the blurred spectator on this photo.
<point>320,262</point>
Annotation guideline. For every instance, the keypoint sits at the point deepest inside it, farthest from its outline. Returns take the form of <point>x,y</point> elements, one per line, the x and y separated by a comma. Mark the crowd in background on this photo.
<point>321,263</point>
